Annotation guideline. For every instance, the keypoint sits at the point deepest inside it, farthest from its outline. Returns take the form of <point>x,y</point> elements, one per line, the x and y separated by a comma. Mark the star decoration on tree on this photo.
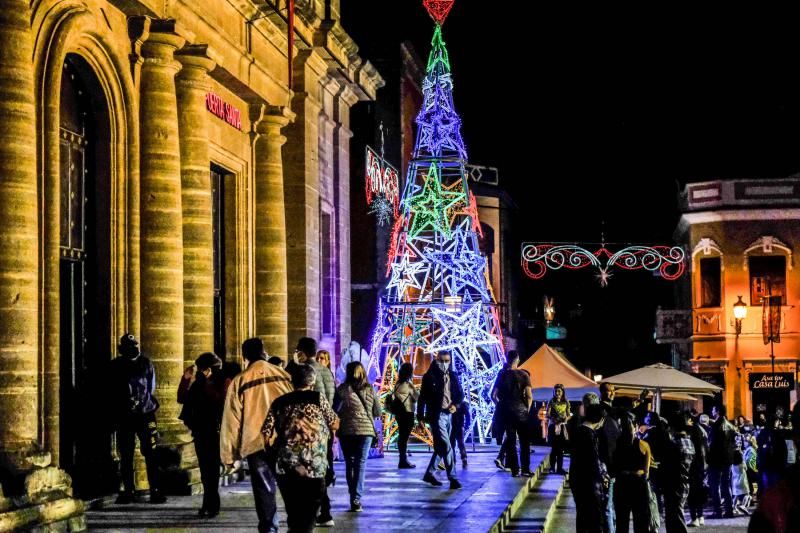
<point>383,210</point>
<point>404,275</point>
<point>465,265</point>
<point>463,332</point>
<point>438,9</point>
<point>430,206</point>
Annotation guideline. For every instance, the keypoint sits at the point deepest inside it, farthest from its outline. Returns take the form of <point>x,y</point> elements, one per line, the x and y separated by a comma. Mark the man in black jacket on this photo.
<point>132,381</point>
<point>720,459</point>
<point>439,396</point>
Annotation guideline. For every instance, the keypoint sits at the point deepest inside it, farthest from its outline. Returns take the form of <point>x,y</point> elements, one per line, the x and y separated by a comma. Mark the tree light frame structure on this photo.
<point>438,297</point>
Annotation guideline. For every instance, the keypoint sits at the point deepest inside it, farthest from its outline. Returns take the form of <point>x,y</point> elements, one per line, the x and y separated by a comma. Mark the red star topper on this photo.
<point>438,9</point>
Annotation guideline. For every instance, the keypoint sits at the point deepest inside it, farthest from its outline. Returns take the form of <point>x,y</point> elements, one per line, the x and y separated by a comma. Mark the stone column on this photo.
<point>19,250</point>
<point>33,494</point>
<point>270,232</point>
<point>198,257</point>
<point>161,221</point>
<point>302,190</point>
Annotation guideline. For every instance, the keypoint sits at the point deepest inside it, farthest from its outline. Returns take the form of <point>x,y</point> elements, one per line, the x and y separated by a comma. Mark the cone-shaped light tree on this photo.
<point>438,297</point>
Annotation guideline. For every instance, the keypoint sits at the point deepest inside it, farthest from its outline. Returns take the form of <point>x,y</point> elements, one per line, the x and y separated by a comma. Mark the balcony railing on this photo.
<point>679,325</point>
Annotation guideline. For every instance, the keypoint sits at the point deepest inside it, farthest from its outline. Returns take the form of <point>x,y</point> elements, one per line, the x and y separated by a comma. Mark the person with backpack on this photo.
<point>357,406</point>
<point>202,393</point>
<point>132,383</point>
<point>402,403</point>
<point>296,431</point>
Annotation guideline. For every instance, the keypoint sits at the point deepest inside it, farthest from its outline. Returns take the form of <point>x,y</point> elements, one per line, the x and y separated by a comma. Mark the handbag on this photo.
<point>374,443</point>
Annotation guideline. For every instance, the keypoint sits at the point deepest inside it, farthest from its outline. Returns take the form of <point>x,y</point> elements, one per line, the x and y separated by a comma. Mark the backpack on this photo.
<point>393,404</point>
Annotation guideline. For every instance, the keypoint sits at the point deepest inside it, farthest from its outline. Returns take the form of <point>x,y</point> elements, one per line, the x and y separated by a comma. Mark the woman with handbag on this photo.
<point>357,406</point>
<point>404,403</point>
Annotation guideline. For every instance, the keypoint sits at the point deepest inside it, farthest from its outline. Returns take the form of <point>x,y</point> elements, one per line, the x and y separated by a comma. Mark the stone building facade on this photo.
<point>161,176</point>
<point>740,238</point>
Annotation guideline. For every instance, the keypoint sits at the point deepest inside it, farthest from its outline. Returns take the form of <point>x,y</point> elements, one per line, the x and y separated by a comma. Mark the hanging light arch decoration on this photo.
<point>539,258</point>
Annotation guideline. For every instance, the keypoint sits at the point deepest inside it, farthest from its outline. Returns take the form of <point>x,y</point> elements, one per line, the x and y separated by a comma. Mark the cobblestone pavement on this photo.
<point>395,500</point>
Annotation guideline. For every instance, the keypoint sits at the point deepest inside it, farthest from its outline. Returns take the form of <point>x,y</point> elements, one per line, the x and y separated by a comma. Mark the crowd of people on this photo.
<point>626,461</point>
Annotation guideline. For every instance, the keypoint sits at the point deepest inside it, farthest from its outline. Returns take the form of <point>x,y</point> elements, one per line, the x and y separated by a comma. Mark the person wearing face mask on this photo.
<point>132,384</point>
<point>440,394</point>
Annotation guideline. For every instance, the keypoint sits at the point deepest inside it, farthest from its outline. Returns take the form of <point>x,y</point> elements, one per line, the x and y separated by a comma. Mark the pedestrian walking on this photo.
<point>247,403</point>
<point>202,393</point>
<point>439,395</point>
<point>558,412</point>
<point>515,398</point>
<point>132,384</point>
<point>357,406</point>
<point>326,386</point>
<point>632,468</point>
<point>403,405</point>
<point>720,458</point>
<point>297,431</point>
<point>461,421</point>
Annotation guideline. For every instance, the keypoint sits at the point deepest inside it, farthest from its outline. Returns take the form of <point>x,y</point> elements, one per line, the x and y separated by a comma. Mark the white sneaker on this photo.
<point>694,523</point>
<point>702,520</point>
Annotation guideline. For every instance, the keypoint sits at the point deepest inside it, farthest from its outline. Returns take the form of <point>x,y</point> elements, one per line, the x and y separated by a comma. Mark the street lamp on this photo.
<point>739,313</point>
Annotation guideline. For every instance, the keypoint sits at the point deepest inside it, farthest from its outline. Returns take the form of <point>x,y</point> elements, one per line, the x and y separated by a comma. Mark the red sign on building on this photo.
<point>224,110</point>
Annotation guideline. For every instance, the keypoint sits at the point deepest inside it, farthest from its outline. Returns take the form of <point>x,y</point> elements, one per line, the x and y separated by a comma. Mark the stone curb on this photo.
<point>511,509</point>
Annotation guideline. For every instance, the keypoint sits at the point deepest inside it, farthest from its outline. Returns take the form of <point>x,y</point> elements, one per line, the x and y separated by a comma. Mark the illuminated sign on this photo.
<point>768,381</point>
<point>224,110</point>
<point>382,187</point>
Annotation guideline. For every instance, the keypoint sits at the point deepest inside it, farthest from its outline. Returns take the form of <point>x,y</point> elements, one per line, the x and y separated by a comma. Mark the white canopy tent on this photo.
<point>548,367</point>
<point>662,379</point>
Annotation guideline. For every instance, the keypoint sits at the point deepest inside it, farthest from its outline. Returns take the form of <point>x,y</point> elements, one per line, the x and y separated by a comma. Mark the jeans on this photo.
<point>207,448</point>
<point>719,479</point>
<point>631,496</point>
<point>516,428</point>
<point>611,517</point>
<point>301,497</point>
<point>355,449</point>
<point>144,427</point>
<point>264,487</point>
<point>440,428</point>
<point>405,423</point>
<point>674,502</point>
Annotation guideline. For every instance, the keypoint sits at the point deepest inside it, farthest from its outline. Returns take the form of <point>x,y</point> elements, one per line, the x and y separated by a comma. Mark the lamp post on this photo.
<point>739,313</point>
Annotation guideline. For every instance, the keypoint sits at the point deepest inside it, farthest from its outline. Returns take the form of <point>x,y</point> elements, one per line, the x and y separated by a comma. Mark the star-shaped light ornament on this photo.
<point>438,9</point>
<point>431,205</point>
<point>463,332</point>
<point>603,276</point>
<point>404,275</point>
<point>383,210</point>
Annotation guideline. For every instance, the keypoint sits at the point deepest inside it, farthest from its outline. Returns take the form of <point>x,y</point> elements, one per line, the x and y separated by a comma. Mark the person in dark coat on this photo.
<point>202,394</point>
<point>698,494</point>
<point>675,472</point>
<point>439,395</point>
<point>722,448</point>
<point>515,397</point>
<point>587,473</point>
<point>132,384</point>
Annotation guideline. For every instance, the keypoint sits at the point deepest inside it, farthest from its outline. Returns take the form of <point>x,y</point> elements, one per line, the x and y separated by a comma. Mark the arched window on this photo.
<point>767,260</point>
<point>707,257</point>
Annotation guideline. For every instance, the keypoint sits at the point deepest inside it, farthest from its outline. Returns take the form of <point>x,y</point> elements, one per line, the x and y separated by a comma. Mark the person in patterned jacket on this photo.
<point>296,432</point>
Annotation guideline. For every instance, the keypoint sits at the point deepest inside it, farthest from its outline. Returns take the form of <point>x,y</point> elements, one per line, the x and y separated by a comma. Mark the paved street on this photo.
<point>395,500</point>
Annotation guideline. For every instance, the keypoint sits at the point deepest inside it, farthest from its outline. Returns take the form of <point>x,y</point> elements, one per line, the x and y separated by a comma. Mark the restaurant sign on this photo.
<point>783,381</point>
<point>224,110</point>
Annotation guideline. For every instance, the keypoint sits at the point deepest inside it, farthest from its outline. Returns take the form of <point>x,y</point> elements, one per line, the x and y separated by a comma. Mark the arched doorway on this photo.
<point>85,278</point>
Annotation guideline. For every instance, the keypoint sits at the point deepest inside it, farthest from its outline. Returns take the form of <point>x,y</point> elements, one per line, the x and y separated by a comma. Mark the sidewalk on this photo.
<point>394,500</point>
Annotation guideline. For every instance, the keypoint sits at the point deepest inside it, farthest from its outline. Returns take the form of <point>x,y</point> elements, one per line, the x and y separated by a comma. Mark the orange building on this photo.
<point>741,236</point>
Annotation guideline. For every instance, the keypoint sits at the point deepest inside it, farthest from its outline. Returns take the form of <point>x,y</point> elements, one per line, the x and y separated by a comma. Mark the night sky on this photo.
<point>601,113</point>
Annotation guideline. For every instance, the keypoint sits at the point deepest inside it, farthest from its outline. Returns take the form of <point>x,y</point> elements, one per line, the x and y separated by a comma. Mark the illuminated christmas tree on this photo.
<point>438,296</point>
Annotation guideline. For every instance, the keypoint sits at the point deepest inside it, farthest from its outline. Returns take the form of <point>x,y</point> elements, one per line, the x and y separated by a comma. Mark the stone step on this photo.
<point>535,512</point>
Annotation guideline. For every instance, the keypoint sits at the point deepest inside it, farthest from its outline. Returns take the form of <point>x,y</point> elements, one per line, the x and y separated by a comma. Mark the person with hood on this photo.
<point>439,395</point>
<point>202,393</point>
<point>247,404</point>
<point>133,404</point>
